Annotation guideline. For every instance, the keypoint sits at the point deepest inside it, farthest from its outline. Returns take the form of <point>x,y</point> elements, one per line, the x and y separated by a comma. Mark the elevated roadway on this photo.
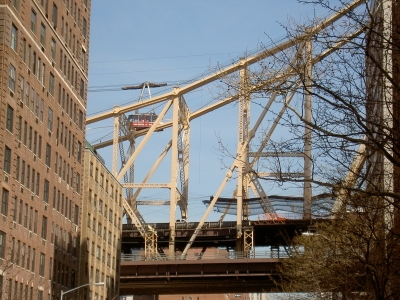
<point>218,234</point>
<point>212,265</point>
<point>206,275</point>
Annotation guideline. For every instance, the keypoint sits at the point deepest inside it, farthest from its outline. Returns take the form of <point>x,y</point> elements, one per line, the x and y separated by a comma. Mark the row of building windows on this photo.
<point>25,215</point>
<point>24,173</point>
<point>101,255</point>
<point>69,106</point>
<point>62,275</point>
<point>33,141</point>
<point>106,213</point>
<point>111,286</point>
<point>105,185</point>
<point>28,217</point>
<point>23,255</point>
<point>63,240</point>
<point>31,138</point>
<point>35,64</point>
<point>66,31</point>
<point>13,289</point>
<point>65,206</point>
<point>18,290</point>
<point>36,105</point>
<point>99,227</point>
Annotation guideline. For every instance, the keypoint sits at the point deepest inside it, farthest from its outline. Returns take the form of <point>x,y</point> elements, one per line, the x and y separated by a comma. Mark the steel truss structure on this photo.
<point>247,178</point>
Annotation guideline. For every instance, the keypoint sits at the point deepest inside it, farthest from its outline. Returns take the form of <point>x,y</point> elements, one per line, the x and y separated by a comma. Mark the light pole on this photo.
<point>74,289</point>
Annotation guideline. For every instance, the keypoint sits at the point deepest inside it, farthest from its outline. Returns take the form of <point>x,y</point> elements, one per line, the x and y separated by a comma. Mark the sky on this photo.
<point>170,42</point>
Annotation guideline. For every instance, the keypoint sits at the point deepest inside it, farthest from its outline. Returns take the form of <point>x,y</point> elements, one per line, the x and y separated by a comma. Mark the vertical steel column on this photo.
<point>248,242</point>
<point>173,183</point>
<point>387,107</point>
<point>307,132</point>
<point>150,243</point>
<point>243,133</point>
<point>186,145</point>
<point>115,146</point>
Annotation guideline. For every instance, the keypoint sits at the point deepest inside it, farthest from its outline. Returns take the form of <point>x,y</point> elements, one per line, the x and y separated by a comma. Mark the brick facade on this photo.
<point>101,230</point>
<point>43,65</point>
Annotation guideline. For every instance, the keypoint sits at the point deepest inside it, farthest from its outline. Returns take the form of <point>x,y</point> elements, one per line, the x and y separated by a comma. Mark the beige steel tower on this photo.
<point>101,229</point>
<point>44,54</point>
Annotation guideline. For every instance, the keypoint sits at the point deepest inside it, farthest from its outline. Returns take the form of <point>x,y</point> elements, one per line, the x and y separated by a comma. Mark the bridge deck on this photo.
<point>199,276</point>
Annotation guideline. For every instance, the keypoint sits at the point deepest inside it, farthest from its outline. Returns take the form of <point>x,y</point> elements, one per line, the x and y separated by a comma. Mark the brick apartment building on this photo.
<point>101,229</point>
<point>44,63</point>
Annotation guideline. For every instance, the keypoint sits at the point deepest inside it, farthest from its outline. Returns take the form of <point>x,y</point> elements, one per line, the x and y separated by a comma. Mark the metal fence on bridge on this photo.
<point>208,256</point>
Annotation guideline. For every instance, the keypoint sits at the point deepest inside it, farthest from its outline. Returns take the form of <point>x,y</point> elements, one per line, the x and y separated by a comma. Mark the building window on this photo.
<point>35,222</point>
<point>83,58</point>
<point>41,266</point>
<point>76,215</point>
<point>53,49</point>
<point>42,76</point>
<point>21,90</point>
<point>44,227</point>
<point>101,180</point>
<point>50,119</point>
<point>84,28</point>
<point>14,37</point>
<point>51,84</point>
<point>42,35</point>
<point>2,244</point>
<point>10,117</point>
<point>46,191</point>
<point>7,160</point>
<point>79,151</point>
<point>34,63</point>
<point>54,16</point>
<point>41,110</point>
<point>48,155</point>
<point>17,166</point>
<point>4,202</point>
<point>78,183</point>
<point>40,147</point>
<point>82,89</point>
<point>33,22</point>
<point>11,82</point>
<point>25,215</point>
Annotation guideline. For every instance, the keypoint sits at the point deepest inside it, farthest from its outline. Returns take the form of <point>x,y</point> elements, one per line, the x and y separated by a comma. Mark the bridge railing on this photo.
<point>188,225</point>
<point>283,217</point>
<point>211,256</point>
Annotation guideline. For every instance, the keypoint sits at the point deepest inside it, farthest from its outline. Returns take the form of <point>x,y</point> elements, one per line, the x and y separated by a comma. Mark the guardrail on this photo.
<point>219,225</point>
<point>227,255</point>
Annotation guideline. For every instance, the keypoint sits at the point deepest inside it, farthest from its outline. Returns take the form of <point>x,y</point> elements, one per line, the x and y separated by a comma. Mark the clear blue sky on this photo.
<point>133,41</point>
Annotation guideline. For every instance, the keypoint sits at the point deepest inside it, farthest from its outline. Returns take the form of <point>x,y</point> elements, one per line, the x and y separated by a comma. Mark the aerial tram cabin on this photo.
<point>140,121</point>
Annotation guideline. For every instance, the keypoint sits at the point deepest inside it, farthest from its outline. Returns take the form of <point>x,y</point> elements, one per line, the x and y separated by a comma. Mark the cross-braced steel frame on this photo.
<point>247,179</point>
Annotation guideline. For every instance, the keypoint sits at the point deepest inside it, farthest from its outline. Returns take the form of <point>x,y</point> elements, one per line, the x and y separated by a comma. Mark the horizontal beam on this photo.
<point>243,63</point>
<point>146,185</point>
<point>276,154</point>
<point>153,203</point>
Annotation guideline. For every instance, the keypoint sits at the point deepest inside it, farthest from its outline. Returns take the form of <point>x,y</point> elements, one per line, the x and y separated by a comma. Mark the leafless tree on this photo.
<point>354,129</point>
